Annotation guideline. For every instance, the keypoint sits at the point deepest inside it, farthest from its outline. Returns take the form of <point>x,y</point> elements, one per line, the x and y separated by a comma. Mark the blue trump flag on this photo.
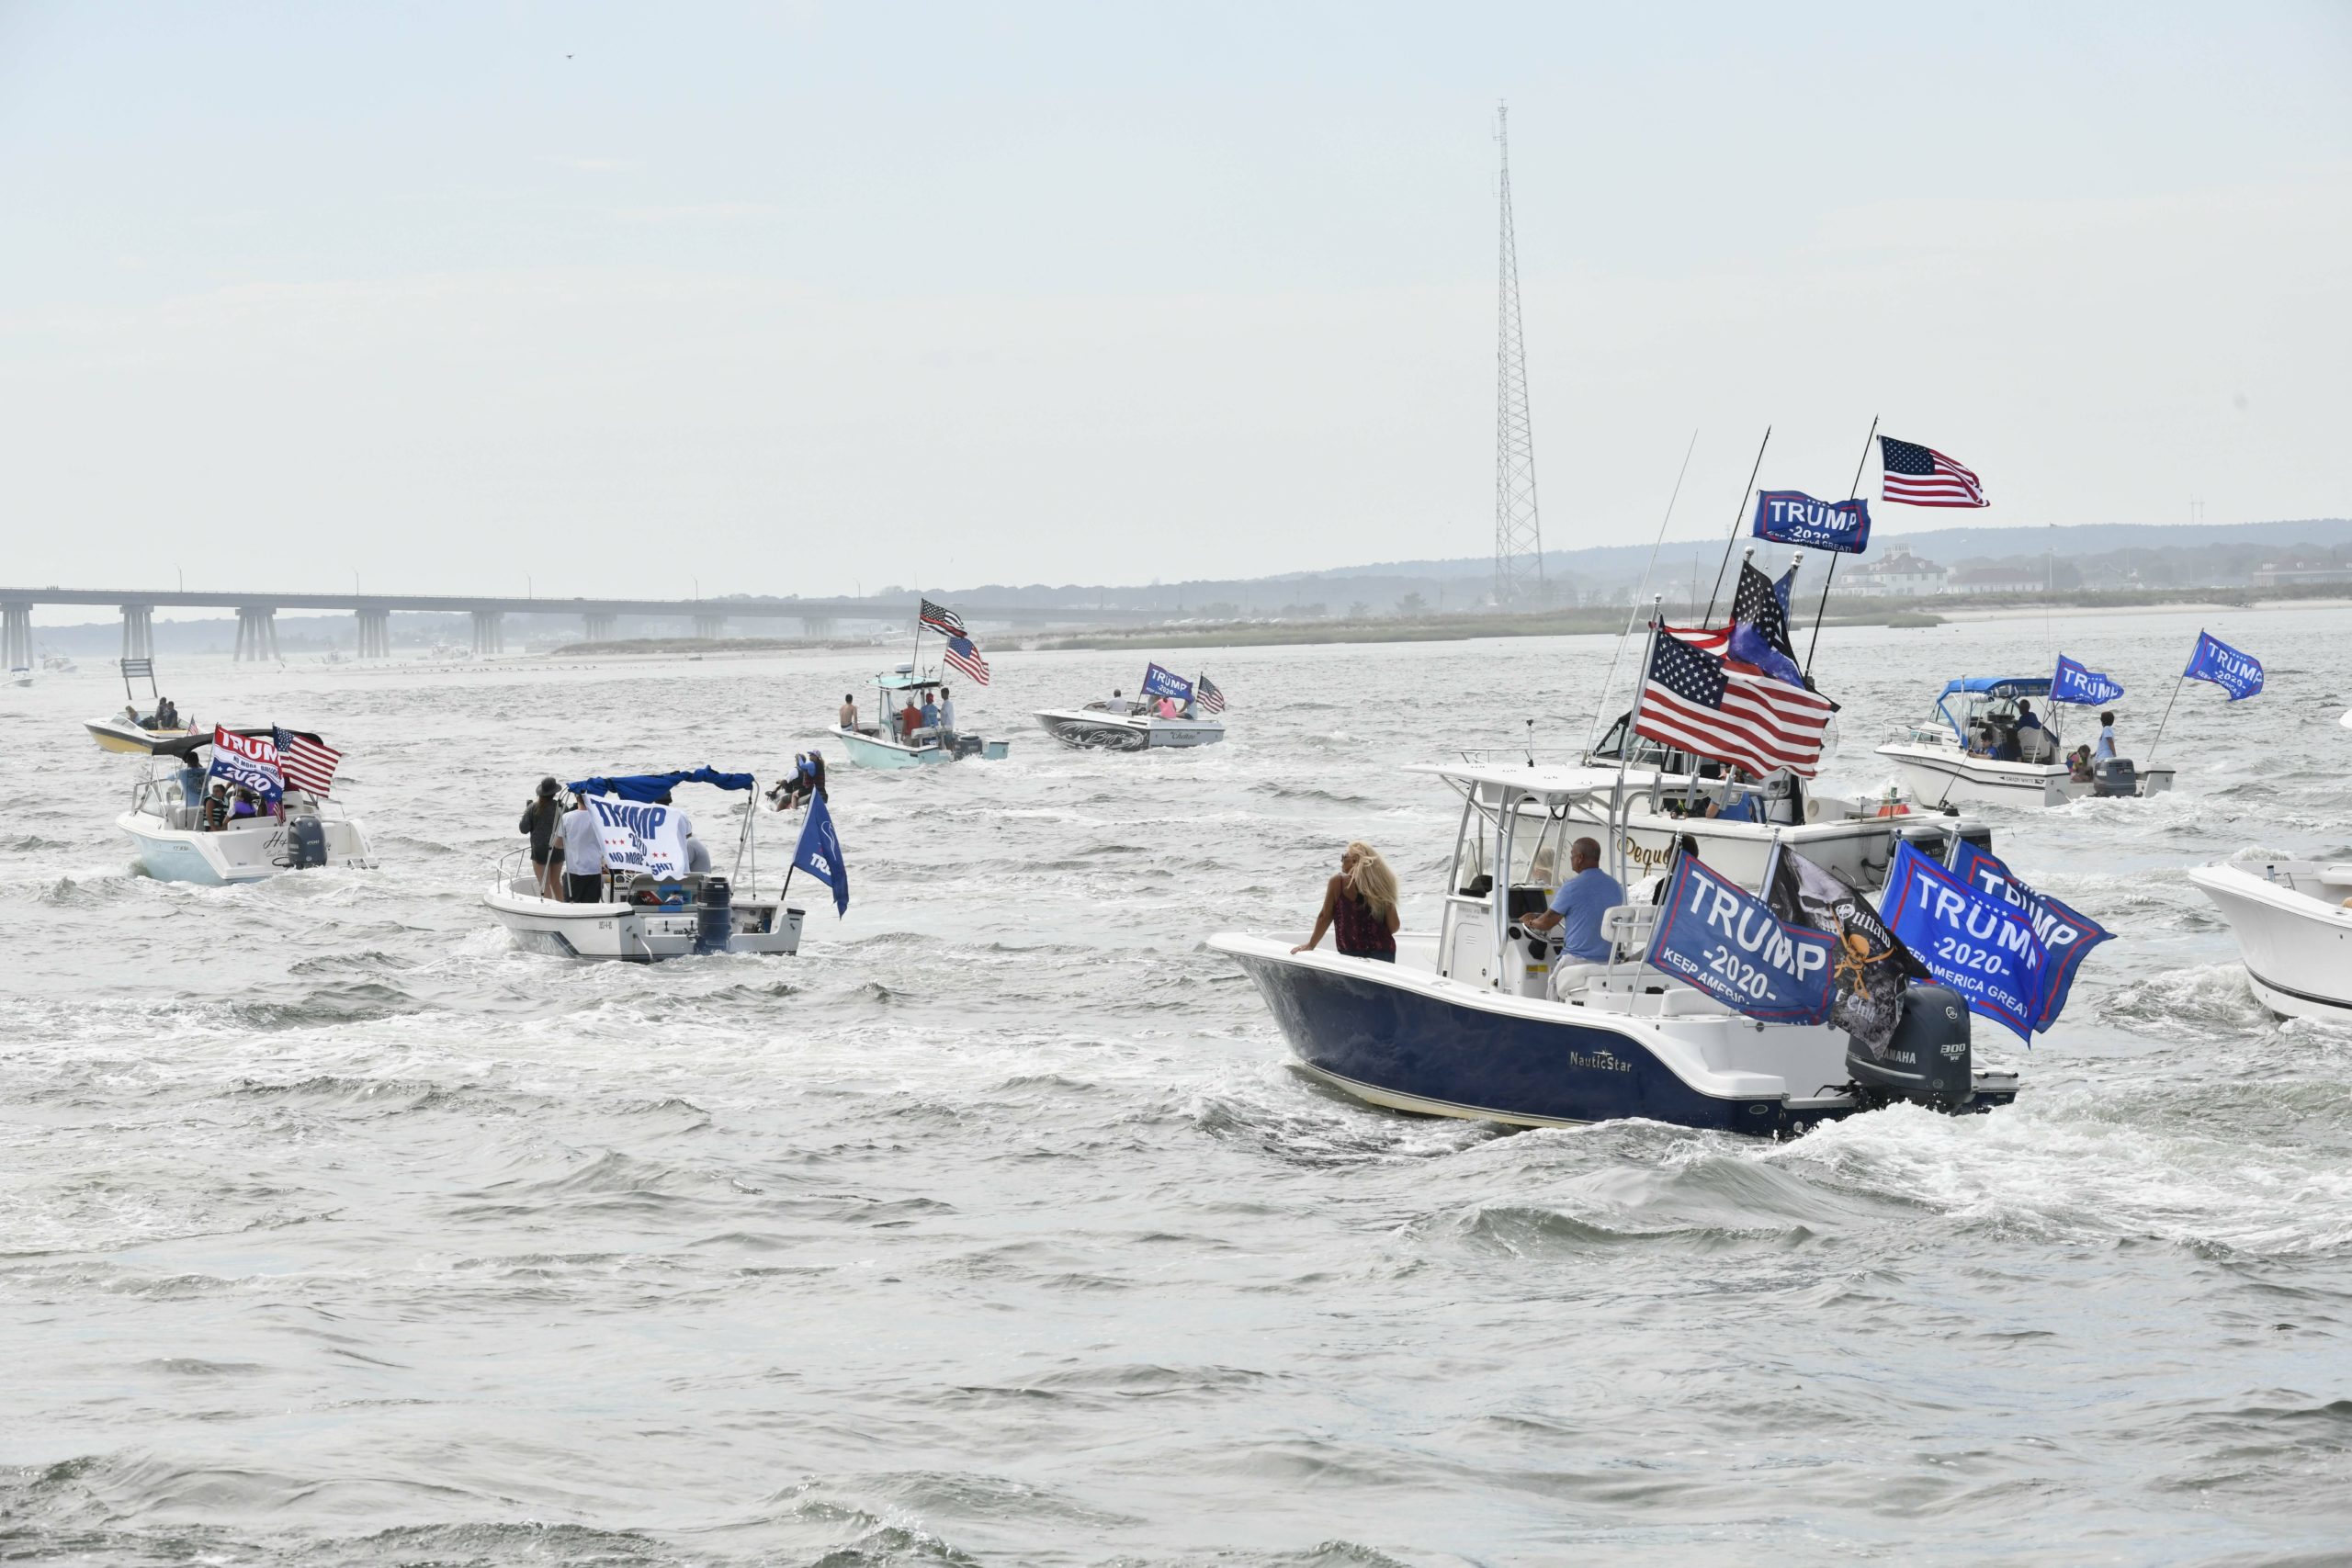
<point>2066,936</point>
<point>1792,517</point>
<point>820,852</point>
<point>2237,674</point>
<point>1159,683</point>
<point>1973,942</point>
<point>2087,688</point>
<point>1727,942</point>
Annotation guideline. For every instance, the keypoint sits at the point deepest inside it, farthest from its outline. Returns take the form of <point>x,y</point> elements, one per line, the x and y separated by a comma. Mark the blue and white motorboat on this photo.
<point>1952,755</point>
<point>1479,1019</point>
<point>888,741</point>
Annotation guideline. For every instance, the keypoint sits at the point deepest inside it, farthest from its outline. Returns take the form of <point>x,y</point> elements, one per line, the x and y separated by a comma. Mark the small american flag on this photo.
<point>964,657</point>
<point>942,619</point>
<point>308,764</point>
<point>1691,702</point>
<point>1921,476</point>
<point>1205,693</point>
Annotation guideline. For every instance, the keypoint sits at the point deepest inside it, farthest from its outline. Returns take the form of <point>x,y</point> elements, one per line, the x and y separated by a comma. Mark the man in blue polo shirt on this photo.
<point>1588,894</point>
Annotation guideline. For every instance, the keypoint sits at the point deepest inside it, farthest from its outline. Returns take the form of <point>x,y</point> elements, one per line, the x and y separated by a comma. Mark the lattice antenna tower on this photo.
<point>1518,533</point>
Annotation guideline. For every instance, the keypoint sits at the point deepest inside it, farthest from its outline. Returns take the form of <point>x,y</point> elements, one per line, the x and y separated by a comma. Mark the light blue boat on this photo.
<point>887,743</point>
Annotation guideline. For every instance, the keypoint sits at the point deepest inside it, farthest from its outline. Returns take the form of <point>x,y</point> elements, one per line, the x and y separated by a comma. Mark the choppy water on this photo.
<point>994,1228</point>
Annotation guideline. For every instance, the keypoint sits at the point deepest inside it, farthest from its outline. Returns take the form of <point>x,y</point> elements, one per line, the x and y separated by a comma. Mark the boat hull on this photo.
<point>1407,1040</point>
<point>130,739</point>
<point>875,751</point>
<point>1939,775</point>
<point>235,855</point>
<point>1110,732</point>
<point>634,934</point>
<point>2297,948</point>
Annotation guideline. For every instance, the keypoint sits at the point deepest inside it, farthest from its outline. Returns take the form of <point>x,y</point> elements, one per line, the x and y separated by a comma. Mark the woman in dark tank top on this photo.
<point>1361,901</point>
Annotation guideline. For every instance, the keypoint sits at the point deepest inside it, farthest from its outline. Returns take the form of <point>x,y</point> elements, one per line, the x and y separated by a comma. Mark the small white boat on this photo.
<point>1121,725</point>
<point>165,826</point>
<point>1469,1021</point>
<point>136,729</point>
<point>1126,727</point>
<point>2293,928</point>
<point>1951,756</point>
<point>891,743</point>
<point>648,916</point>
<point>22,675</point>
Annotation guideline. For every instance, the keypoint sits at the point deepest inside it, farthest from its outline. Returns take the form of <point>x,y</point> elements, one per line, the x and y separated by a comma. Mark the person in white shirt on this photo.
<point>584,854</point>
<point>946,719</point>
<point>2104,750</point>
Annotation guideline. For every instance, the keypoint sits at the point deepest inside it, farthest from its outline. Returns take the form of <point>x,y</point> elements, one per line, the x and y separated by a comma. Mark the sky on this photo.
<point>815,298</point>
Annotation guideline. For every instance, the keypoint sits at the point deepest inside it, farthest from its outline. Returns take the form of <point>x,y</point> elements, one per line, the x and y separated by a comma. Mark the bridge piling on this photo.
<point>710,628</point>
<point>16,635</point>
<point>600,628</point>
<point>490,631</point>
<point>139,631</point>
<point>256,634</point>
<point>374,633</point>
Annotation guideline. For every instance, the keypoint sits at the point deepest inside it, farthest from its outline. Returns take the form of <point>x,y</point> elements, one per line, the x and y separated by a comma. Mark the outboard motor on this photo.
<point>306,839</point>
<point>1927,1061</point>
<point>714,917</point>
<point>2116,775</point>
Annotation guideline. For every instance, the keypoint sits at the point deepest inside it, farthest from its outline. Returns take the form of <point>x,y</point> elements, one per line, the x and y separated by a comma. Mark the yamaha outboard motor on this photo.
<point>2116,775</point>
<point>1927,1061</point>
<point>714,917</point>
<point>306,837</point>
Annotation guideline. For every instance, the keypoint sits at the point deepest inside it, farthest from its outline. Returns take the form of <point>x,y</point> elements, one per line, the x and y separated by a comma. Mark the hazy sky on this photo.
<point>801,298</point>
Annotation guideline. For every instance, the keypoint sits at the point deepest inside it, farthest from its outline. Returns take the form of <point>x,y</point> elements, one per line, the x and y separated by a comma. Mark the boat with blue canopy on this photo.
<point>1984,742</point>
<point>660,894</point>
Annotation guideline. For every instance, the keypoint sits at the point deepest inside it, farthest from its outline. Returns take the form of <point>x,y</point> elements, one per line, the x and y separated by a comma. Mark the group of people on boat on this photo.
<point>804,784</point>
<point>166,716</point>
<point>568,846</point>
<point>1360,905</point>
<point>221,811</point>
<point>1166,707</point>
<point>932,717</point>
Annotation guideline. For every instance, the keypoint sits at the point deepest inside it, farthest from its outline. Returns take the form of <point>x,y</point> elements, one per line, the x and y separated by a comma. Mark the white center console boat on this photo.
<point>2294,920</point>
<point>1973,749</point>
<point>167,824</point>
<point>1475,1020</point>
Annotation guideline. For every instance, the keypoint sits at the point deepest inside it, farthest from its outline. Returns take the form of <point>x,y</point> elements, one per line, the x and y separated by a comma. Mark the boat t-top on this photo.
<point>261,807</point>
<point>1984,743</point>
<point>657,898</point>
<point>1171,711</point>
<point>913,724</point>
<point>137,724</point>
<point>1482,1018</point>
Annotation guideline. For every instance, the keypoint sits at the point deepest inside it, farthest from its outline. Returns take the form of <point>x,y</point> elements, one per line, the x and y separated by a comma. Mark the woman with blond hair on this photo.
<point>1362,902</point>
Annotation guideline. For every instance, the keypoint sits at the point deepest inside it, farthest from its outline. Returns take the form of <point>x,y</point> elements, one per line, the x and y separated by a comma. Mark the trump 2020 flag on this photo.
<point>1872,969</point>
<point>1159,683</point>
<point>1792,517</point>
<point>1973,942</point>
<point>1727,942</point>
<point>247,762</point>
<point>820,852</point>
<point>2066,936</point>
<point>2088,688</point>
<point>2237,674</point>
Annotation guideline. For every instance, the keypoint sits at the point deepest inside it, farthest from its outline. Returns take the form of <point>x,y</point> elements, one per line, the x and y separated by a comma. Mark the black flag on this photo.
<point>1756,602</point>
<point>1872,967</point>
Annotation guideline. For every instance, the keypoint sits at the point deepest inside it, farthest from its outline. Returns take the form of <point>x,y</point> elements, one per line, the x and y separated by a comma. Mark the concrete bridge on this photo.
<point>257,615</point>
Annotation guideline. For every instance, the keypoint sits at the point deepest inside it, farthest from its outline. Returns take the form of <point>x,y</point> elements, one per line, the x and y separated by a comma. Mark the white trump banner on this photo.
<point>641,837</point>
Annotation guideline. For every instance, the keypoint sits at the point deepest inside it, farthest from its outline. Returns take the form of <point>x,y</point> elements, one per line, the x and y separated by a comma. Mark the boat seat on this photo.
<point>1628,927</point>
<point>2035,746</point>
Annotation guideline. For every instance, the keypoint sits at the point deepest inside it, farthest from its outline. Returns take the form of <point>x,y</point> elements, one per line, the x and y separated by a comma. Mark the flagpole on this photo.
<point>1625,748</point>
<point>2159,740</point>
<point>1737,518</point>
<point>1601,709</point>
<point>1853,492</point>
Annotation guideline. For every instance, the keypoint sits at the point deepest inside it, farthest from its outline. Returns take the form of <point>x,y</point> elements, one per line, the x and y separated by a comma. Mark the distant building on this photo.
<point>1896,575</point>
<point>1999,579</point>
<point>2280,573</point>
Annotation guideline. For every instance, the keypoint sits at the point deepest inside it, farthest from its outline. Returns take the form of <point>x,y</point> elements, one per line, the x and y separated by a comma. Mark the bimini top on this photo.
<point>654,787</point>
<point>1553,780</point>
<point>906,681</point>
<point>2001,685</point>
<point>189,744</point>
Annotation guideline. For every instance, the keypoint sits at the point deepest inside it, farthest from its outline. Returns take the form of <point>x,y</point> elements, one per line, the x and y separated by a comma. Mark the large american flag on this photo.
<point>1921,476</point>
<point>943,618</point>
<point>308,764</point>
<point>1205,691</point>
<point>966,658</point>
<point>1692,702</point>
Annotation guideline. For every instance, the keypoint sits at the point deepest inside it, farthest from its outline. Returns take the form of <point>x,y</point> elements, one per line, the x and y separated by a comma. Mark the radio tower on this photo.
<point>1519,536</point>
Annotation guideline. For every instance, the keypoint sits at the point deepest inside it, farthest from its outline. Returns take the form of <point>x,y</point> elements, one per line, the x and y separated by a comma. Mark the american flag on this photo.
<point>1921,476</point>
<point>1205,692</point>
<point>964,657</point>
<point>1692,702</point>
<point>309,765</point>
<point>942,619</point>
